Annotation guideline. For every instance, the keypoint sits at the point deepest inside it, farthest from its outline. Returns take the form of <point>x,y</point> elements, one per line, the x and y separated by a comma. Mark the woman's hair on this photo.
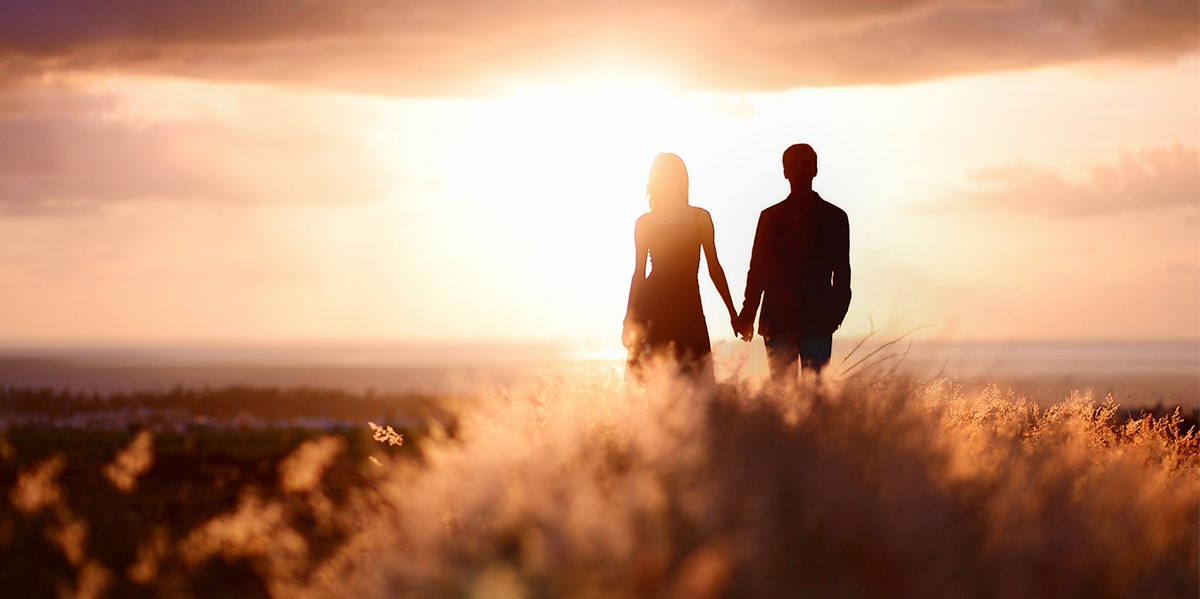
<point>668,182</point>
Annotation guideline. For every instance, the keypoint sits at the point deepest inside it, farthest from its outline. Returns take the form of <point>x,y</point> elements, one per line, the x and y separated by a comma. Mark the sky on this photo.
<point>195,171</point>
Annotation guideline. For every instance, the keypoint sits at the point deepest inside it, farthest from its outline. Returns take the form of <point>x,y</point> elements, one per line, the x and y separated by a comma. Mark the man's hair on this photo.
<point>797,153</point>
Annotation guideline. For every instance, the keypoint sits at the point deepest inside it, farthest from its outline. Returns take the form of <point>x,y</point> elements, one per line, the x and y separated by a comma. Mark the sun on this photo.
<point>542,186</point>
<point>595,139</point>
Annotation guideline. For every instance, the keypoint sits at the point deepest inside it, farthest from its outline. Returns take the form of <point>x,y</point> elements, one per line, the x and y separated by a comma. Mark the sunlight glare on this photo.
<point>545,184</point>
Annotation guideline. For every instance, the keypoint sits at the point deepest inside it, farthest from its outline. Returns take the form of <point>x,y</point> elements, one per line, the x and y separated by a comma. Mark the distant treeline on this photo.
<point>267,403</point>
<point>282,405</point>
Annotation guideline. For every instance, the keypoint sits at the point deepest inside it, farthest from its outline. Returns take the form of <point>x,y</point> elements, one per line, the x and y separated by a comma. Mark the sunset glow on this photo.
<point>490,192</point>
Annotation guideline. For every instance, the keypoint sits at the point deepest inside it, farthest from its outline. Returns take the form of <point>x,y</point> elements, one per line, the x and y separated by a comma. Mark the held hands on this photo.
<point>743,327</point>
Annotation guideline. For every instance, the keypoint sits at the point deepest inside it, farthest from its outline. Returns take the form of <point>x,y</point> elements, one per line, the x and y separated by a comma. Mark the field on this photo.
<point>582,486</point>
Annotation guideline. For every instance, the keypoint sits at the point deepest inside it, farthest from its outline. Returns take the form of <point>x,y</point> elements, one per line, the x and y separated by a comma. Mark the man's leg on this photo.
<point>782,357</point>
<point>814,351</point>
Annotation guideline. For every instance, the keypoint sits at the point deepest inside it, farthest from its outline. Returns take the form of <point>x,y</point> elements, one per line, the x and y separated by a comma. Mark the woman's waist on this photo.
<point>674,277</point>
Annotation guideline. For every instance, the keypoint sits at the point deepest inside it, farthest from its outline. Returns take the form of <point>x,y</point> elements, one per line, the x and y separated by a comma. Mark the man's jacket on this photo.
<point>800,268</point>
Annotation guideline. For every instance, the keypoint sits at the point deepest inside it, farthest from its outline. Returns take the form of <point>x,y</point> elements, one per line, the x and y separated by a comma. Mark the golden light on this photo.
<point>541,187</point>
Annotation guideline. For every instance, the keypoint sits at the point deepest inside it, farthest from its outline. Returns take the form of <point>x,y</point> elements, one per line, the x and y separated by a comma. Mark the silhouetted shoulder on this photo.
<point>641,229</point>
<point>773,209</point>
<point>701,214</point>
<point>833,210</point>
<point>773,213</point>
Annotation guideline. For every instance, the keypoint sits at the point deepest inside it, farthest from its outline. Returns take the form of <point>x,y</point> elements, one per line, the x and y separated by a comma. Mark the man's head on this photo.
<point>799,164</point>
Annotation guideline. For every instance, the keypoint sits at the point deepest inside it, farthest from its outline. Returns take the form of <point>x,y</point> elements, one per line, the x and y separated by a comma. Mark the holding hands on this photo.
<point>743,327</point>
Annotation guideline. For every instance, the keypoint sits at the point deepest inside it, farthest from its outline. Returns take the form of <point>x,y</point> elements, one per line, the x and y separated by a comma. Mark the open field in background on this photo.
<point>577,485</point>
<point>1134,373</point>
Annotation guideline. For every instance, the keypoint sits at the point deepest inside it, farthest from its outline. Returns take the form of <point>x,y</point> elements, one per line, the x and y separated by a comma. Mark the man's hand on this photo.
<point>744,327</point>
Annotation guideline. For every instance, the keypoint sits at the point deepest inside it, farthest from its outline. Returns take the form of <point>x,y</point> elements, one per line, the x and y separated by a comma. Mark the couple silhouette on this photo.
<point>799,272</point>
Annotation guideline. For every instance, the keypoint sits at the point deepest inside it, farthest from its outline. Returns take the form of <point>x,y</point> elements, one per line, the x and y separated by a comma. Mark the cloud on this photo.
<point>1151,179</point>
<point>467,46</point>
<point>71,151</point>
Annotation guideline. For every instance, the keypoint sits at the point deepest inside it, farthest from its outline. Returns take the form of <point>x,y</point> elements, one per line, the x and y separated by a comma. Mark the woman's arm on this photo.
<point>630,330</point>
<point>715,272</point>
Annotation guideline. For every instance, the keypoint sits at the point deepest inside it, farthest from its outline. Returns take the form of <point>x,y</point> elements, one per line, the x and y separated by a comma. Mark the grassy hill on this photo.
<point>583,486</point>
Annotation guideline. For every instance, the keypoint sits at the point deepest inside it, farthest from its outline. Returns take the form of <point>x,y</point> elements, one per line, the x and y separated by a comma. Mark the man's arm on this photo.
<point>755,280</point>
<point>841,271</point>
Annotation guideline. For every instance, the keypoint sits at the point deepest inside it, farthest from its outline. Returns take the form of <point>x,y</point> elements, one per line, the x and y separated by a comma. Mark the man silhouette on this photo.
<point>800,269</point>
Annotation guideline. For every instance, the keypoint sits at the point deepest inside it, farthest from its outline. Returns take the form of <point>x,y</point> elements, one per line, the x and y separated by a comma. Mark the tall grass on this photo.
<point>584,486</point>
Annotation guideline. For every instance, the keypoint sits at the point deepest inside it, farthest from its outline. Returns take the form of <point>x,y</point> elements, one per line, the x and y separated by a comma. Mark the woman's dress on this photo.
<point>668,306</point>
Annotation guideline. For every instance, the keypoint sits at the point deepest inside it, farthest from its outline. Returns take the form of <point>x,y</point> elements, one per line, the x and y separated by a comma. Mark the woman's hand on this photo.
<point>735,321</point>
<point>632,334</point>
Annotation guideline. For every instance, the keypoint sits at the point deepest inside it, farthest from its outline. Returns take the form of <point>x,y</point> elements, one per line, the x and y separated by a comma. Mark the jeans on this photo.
<point>784,353</point>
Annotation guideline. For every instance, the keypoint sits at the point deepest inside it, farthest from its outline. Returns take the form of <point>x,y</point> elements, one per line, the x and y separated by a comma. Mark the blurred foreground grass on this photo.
<point>66,518</point>
<point>582,486</point>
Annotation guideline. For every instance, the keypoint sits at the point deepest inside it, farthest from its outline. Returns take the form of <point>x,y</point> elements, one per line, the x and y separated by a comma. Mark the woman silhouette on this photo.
<point>664,319</point>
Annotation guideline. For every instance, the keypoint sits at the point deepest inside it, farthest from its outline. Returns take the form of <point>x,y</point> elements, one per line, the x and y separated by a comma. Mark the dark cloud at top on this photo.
<point>466,46</point>
<point>1152,179</point>
<point>75,152</point>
